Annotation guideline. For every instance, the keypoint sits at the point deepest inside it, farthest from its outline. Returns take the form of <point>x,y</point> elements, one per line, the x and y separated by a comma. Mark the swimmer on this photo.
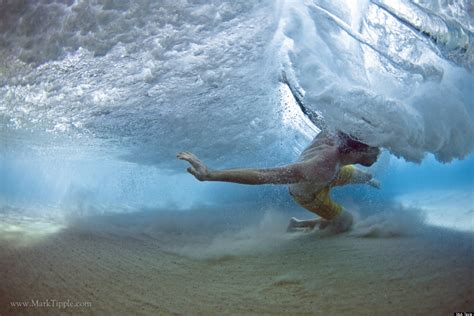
<point>326,163</point>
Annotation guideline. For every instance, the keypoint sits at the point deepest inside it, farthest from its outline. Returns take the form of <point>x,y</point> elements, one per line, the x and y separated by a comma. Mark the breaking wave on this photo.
<point>150,78</point>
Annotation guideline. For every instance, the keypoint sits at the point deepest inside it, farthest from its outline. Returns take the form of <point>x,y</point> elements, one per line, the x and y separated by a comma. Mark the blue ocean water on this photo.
<point>96,99</point>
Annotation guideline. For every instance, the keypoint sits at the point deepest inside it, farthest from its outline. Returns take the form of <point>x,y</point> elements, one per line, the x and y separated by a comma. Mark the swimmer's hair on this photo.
<point>349,143</point>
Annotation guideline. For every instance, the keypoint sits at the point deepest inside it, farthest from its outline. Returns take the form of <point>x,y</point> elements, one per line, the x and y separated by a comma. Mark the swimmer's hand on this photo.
<point>374,183</point>
<point>198,168</point>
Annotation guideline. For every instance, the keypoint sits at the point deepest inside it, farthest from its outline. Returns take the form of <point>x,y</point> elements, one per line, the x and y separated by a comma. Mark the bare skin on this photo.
<point>317,166</point>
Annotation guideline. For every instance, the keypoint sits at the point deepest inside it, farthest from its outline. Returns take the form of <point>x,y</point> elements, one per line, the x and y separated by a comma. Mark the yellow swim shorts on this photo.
<point>322,204</point>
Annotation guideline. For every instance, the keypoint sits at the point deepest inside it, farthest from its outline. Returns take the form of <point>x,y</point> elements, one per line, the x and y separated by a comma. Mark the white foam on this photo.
<point>157,78</point>
<point>379,82</point>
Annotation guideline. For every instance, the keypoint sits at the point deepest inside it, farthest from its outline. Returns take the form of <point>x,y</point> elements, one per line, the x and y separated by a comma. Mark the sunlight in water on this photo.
<point>22,231</point>
<point>444,208</point>
<point>293,116</point>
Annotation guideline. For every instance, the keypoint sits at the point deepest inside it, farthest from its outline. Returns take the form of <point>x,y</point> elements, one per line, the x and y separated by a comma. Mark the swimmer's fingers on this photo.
<point>184,155</point>
<point>189,157</point>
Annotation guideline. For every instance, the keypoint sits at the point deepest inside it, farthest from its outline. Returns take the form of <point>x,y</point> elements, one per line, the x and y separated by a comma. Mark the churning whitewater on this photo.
<point>142,78</point>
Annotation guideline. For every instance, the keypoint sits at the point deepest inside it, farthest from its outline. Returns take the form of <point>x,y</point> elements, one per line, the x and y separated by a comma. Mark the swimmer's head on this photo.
<point>358,151</point>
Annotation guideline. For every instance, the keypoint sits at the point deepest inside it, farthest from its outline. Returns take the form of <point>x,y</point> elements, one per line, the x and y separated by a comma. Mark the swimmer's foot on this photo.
<point>301,225</point>
<point>297,225</point>
<point>293,225</point>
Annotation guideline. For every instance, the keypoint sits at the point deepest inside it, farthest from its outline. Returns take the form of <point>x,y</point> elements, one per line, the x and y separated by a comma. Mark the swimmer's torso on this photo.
<point>323,151</point>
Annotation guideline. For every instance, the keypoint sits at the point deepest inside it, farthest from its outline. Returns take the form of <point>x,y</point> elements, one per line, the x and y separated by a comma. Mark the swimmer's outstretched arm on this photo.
<point>293,173</point>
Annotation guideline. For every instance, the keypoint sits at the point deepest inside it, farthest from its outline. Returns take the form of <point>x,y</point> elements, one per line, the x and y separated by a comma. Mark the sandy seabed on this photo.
<point>185,263</point>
